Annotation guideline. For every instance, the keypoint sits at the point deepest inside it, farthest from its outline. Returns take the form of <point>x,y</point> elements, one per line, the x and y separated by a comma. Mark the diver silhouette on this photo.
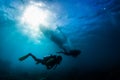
<point>59,38</point>
<point>73,53</point>
<point>50,61</point>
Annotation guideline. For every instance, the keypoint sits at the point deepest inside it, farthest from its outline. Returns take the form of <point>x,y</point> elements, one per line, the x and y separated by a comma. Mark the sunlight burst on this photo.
<point>33,16</point>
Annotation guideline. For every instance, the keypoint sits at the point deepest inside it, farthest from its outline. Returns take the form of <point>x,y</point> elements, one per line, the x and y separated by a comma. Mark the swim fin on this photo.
<point>23,57</point>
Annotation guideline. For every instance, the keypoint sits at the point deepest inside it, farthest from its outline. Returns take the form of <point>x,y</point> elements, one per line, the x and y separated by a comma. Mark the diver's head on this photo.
<point>59,59</point>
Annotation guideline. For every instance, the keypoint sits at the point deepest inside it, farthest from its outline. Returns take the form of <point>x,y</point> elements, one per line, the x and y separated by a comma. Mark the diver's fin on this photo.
<point>23,57</point>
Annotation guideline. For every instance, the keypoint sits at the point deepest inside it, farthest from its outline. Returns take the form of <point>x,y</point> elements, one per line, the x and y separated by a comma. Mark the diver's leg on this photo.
<point>29,54</point>
<point>32,56</point>
<point>36,59</point>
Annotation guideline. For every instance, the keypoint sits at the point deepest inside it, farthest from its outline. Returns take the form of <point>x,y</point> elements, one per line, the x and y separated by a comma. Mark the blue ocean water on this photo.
<point>92,26</point>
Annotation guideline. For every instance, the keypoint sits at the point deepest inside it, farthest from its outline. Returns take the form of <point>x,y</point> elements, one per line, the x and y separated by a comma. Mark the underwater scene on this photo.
<point>59,39</point>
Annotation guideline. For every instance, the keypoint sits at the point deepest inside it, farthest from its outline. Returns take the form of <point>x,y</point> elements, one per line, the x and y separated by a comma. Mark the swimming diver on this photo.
<point>50,61</point>
<point>73,53</point>
<point>60,39</point>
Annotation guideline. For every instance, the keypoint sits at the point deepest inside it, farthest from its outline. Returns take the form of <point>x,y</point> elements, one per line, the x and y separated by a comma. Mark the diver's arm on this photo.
<point>49,67</point>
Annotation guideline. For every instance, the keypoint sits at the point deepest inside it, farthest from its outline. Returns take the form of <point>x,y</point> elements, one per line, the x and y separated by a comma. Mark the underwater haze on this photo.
<point>91,26</point>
